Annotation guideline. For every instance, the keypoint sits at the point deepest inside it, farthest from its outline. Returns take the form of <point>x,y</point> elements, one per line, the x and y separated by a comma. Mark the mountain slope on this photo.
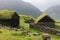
<point>54,12</point>
<point>20,6</point>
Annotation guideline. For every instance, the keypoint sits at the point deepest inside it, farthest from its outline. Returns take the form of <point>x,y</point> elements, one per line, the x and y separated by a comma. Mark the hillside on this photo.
<point>20,7</point>
<point>26,26</point>
<point>11,34</point>
<point>54,12</point>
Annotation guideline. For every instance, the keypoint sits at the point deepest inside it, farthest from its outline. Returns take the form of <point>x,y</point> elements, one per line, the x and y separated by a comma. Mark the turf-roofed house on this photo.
<point>43,20</point>
<point>9,18</point>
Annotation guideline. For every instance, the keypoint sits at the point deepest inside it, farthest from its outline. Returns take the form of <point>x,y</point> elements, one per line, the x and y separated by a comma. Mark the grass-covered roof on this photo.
<point>42,16</point>
<point>6,14</point>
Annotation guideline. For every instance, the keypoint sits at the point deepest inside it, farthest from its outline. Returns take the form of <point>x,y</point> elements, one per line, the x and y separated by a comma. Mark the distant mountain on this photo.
<point>54,12</point>
<point>20,7</point>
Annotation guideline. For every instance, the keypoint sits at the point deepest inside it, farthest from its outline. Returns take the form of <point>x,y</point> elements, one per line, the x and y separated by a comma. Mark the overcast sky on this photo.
<point>43,4</point>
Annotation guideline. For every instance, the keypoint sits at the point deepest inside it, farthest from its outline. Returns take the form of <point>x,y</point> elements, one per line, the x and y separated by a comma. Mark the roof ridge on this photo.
<point>42,16</point>
<point>6,14</point>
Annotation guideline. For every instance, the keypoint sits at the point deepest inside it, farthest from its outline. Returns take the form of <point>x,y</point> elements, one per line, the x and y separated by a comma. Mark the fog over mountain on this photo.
<point>54,12</point>
<point>20,6</point>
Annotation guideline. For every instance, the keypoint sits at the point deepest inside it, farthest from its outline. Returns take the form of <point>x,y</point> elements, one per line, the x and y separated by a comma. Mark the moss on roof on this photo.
<point>42,16</point>
<point>6,14</point>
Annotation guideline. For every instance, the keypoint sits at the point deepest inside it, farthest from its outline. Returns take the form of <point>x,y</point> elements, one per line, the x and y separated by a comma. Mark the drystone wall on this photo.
<point>46,29</point>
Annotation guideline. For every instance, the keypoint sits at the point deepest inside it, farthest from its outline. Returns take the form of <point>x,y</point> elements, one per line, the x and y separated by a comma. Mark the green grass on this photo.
<point>6,14</point>
<point>57,25</point>
<point>22,24</point>
<point>54,37</point>
<point>17,35</point>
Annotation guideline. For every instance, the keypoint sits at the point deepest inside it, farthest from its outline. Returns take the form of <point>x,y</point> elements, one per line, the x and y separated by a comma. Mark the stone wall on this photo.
<point>46,29</point>
<point>47,24</point>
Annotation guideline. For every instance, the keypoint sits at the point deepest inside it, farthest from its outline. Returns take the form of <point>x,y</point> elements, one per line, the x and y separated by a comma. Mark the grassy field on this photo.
<point>26,26</point>
<point>17,35</point>
<point>57,25</point>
